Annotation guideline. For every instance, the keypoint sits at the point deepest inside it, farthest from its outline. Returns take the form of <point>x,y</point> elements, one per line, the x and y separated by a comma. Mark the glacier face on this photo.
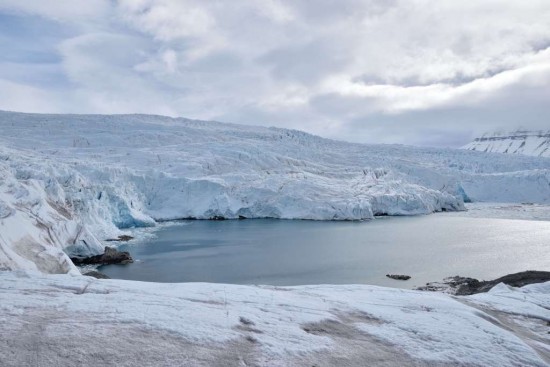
<point>533,143</point>
<point>68,180</point>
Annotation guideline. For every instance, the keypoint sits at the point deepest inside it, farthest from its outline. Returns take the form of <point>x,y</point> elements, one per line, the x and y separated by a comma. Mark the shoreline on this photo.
<point>454,285</point>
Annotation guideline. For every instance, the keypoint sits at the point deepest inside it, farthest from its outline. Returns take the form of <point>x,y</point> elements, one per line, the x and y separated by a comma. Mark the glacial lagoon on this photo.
<point>297,252</point>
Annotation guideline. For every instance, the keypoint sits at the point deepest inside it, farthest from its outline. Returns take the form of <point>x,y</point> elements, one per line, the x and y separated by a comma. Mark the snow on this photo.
<point>76,320</point>
<point>69,181</point>
<point>533,143</point>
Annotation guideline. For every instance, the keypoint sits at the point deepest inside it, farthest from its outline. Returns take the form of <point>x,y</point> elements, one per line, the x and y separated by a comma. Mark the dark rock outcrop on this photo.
<point>96,274</point>
<point>398,276</point>
<point>111,256</point>
<point>463,286</point>
<point>121,238</point>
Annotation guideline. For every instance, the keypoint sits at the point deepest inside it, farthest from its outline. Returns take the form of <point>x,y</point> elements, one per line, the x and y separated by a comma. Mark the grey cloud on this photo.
<point>520,106</point>
<point>457,79</point>
<point>307,63</point>
<point>217,62</point>
<point>325,12</point>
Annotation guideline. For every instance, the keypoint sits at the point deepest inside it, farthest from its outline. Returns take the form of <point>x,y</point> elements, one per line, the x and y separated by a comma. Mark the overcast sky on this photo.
<point>389,71</point>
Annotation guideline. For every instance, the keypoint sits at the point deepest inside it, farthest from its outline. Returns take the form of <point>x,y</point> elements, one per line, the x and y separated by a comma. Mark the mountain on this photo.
<point>533,143</point>
<point>68,181</point>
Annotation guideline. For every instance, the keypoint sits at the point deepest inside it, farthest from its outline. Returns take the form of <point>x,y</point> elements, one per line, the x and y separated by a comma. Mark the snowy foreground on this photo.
<point>69,181</point>
<point>63,320</point>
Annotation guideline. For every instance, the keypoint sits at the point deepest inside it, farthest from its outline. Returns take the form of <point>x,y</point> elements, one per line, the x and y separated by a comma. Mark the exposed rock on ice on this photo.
<point>467,286</point>
<point>96,274</point>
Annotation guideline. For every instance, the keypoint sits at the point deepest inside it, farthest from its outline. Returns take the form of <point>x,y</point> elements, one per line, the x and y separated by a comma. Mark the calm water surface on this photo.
<point>281,252</point>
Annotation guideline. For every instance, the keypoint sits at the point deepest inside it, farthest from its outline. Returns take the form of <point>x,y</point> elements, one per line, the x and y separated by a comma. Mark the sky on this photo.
<point>431,73</point>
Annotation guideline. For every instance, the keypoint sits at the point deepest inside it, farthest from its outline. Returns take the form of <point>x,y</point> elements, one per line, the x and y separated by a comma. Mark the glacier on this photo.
<point>533,143</point>
<point>69,181</point>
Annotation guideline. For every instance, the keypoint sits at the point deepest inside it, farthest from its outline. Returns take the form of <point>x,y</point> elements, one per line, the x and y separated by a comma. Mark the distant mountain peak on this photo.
<point>534,143</point>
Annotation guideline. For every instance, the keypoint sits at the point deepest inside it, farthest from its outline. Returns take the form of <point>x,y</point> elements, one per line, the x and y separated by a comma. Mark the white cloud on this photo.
<point>340,69</point>
<point>397,98</point>
<point>21,97</point>
<point>167,20</point>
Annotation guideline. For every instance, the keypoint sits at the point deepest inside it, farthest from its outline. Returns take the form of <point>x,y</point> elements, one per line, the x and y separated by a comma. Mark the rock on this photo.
<point>96,274</point>
<point>121,238</point>
<point>463,286</point>
<point>111,256</point>
<point>516,280</point>
<point>398,276</point>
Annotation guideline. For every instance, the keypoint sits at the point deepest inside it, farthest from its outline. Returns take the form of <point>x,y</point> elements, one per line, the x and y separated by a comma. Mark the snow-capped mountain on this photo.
<point>67,180</point>
<point>534,143</point>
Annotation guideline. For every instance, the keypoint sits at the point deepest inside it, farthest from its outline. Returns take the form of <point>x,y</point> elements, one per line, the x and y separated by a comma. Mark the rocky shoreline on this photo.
<point>464,286</point>
<point>455,285</point>
<point>110,256</point>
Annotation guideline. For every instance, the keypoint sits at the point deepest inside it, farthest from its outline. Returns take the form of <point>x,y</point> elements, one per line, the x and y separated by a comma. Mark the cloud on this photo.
<point>398,99</point>
<point>403,71</point>
<point>60,10</point>
<point>20,97</point>
<point>294,62</point>
<point>167,20</point>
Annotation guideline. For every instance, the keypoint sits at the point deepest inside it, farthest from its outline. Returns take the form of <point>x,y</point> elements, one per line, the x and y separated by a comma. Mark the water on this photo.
<point>280,252</point>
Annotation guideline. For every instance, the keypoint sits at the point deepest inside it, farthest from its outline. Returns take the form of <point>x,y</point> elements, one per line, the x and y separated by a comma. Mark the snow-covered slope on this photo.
<point>59,320</point>
<point>68,180</point>
<point>533,143</point>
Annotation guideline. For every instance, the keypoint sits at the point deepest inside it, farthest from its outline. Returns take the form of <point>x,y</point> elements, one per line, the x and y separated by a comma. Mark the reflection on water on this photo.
<point>282,252</point>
